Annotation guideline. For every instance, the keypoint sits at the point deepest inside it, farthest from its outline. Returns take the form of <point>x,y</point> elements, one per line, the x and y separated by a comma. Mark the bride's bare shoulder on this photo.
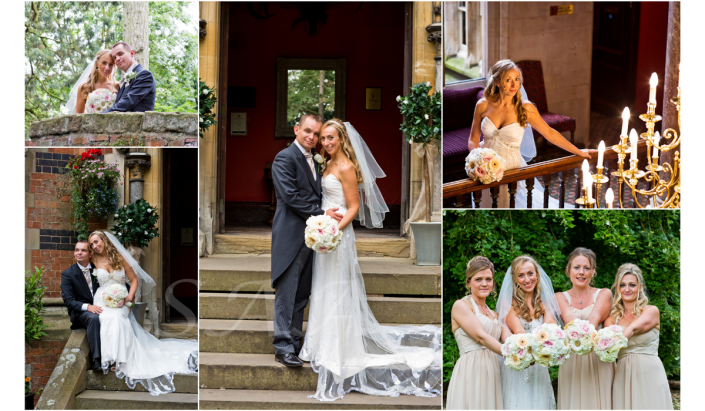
<point>347,172</point>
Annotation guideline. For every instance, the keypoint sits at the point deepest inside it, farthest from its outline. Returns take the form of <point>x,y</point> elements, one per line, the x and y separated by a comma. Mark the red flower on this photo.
<point>75,167</point>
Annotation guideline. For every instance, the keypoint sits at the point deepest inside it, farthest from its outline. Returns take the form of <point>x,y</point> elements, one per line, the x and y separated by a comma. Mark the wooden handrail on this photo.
<point>465,186</point>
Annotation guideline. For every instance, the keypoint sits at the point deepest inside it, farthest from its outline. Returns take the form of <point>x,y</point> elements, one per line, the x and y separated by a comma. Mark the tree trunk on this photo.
<point>136,29</point>
<point>321,90</point>
<point>427,188</point>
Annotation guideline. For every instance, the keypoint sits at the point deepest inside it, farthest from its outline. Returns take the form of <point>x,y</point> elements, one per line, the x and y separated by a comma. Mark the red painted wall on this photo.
<point>651,57</point>
<point>372,41</point>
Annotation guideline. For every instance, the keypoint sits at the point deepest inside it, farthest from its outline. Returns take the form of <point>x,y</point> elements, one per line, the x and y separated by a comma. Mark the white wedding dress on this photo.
<point>506,142</point>
<point>530,388</point>
<point>139,356</point>
<point>346,345</point>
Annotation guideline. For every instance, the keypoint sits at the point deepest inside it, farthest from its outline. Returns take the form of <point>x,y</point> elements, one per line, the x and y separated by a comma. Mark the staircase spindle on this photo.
<point>494,193</point>
<point>477,198</point>
<point>546,189</point>
<point>529,189</point>
<point>561,195</point>
<point>512,194</point>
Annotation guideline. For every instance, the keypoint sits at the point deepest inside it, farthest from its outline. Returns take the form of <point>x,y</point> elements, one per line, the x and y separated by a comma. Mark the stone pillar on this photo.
<point>672,75</point>
<point>138,163</point>
<point>435,37</point>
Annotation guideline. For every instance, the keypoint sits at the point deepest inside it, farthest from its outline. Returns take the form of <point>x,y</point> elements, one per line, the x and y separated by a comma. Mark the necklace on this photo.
<point>578,296</point>
<point>487,310</point>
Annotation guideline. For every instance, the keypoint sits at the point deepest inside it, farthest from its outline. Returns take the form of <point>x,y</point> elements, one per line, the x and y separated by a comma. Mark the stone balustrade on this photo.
<point>116,129</point>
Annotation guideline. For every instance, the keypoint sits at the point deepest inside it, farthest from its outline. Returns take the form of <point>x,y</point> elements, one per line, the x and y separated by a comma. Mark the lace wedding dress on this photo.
<point>346,345</point>
<point>530,388</point>
<point>139,356</point>
<point>507,143</point>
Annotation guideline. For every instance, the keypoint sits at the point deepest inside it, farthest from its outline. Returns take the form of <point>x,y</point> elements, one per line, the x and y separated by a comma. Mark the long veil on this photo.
<point>146,283</point>
<point>70,106</point>
<point>528,145</point>
<point>506,293</point>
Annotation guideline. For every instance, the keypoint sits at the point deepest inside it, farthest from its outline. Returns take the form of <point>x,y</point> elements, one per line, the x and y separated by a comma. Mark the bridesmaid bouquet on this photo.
<point>580,336</point>
<point>322,234</point>
<point>485,165</point>
<point>608,342</point>
<point>114,295</point>
<point>550,345</point>
<point>99,101</point>
<point>517,351</point>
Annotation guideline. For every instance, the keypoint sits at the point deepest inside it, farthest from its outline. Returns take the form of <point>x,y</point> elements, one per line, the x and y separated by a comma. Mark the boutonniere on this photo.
<point>129,78</point>
<point>318,159</point>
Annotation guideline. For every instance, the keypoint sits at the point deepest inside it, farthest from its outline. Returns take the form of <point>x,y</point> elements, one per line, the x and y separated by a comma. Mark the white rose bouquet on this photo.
<point>608,342</point>
<point>485,165</point>
<point>114,295</point>
<point>322,234</point>
<point>99,101</point>
<point>550,345</point>
<point>517,351</point>
<point>580,334</point>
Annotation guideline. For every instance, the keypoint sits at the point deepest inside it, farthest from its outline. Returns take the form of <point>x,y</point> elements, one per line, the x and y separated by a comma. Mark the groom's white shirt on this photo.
<point>303,151</point>
<point>84,307</point>
<point>130,70</point>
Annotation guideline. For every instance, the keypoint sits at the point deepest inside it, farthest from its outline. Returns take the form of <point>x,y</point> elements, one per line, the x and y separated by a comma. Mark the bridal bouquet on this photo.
<point>322,234</point>
<point>608,342</point>
<point>517,351</point>
<point>114,295</point>
<point>580,336</point>
<point>99,101</point>
<point>550,345</point>
<point>485,165</point>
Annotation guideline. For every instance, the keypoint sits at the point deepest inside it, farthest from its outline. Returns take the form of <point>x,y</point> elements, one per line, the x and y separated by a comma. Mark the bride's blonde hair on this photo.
<point>345,145</point>
<point>519,297</point>
<point>114,257</point>
<point>88,87</point>
<point>497,75</point>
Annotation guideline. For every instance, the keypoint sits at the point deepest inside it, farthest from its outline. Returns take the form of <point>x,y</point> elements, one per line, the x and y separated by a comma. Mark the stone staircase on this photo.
<point>237,367</point>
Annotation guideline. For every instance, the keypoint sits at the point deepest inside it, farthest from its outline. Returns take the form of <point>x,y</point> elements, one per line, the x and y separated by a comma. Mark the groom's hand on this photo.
<point>95,309</point>
<point>331,212</point>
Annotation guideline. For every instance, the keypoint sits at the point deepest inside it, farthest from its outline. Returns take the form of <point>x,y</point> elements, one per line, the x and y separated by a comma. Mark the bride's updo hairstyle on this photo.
<point>88,87</point>
<point>345,145</point>
<point>641,299</point>
<point>497,75</point>
<point>114,257</point>
<point>477,264</point>
<point>584,252</point>
<point>519,296</point>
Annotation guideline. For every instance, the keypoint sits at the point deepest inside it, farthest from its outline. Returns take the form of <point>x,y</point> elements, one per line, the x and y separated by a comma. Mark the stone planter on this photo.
<point>428,238</point>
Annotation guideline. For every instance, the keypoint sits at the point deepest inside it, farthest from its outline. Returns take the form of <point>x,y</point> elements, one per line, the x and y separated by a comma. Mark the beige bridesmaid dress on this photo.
<point>585,382</point>
<point>640,381</point>
<point>476,383</point>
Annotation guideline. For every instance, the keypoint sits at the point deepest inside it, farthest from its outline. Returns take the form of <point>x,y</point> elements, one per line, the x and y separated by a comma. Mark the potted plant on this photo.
<point>33,322</point>
<point>206,103</point>
<point>422,125</point>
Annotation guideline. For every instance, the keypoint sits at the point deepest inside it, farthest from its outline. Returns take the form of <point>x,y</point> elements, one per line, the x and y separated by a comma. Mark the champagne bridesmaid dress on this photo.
<point>476,383</point>
<point>640,381</point>
<point>585,382</point>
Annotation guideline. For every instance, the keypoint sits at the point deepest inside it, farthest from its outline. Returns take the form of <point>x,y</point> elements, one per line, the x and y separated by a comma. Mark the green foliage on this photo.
<point>422,114</point>
<point>33,308</point>
<point>206,103</point>
<point>136,224</point>
<point>648,238</point>
<point>305,97</point>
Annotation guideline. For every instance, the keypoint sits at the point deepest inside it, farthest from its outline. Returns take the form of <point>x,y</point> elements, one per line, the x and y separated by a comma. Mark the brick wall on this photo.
<point>42,358</point>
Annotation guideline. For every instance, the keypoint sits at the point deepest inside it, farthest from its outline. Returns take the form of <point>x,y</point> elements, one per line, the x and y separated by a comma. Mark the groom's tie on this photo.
<point>309,159</point>
<point>87,275</point>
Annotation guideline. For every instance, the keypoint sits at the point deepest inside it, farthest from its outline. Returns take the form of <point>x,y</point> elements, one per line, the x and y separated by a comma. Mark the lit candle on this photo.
<point>587,179</point>
<point>600,153</point>
<point>652,91</point>
<point>657,137</point>
<point>625,121</point>
<point>609,197</point>
<point>633,138</point>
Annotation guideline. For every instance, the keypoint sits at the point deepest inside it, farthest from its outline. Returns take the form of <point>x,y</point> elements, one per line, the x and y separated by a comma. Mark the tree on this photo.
<point>310,92</point>
<point>136,29</point>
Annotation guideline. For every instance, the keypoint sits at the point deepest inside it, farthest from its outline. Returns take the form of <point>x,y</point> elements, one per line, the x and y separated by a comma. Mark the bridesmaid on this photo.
<point>584,382</point>
<point>640,381</point>
<point>475,383</point>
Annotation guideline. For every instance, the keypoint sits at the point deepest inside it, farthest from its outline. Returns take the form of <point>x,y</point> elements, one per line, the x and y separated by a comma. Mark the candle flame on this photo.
<point>601,147</point>
<point>586,166</point>
<point>609,197</point>
<point>625,113</point>
<point>653,82</point>
<point>633,137</point>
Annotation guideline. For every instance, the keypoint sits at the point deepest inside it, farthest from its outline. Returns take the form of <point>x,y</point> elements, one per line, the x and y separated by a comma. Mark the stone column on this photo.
<point>138,163</point>
<point>434,37</point>
<point>672,75</point>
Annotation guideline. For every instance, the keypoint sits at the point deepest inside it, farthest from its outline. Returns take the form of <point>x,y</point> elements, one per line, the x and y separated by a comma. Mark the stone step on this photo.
<point>255,372</point>
<point>396,310</point>
<point>382,275</point>
<point>296,400</point>
<point>260,242</point>
<point>182,331</point>
<point>129,400</point>
<point>96,380</point>
<point>238,336</point>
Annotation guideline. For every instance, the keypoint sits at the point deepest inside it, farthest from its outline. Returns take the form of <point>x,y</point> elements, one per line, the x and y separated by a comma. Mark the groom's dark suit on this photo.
<point>75,293</point>
<point>138,96</point>
<point>298,198</point>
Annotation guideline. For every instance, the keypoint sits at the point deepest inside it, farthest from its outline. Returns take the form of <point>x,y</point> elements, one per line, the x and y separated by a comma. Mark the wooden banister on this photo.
<point>465,186</point>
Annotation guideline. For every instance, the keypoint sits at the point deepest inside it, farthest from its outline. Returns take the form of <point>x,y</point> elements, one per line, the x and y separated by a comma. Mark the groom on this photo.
<point>138,89</point>
<point>78,286</point>
<point>297,182</point>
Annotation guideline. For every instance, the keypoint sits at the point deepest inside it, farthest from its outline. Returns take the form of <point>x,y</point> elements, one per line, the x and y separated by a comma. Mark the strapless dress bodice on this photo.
<point>106,278</point>
<point>333,195</point>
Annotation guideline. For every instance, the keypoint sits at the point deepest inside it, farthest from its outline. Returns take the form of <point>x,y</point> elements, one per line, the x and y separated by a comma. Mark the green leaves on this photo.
<point>33,307</point>
<point>422,114</point>
<point>136,224</point>
<point>206,116</point>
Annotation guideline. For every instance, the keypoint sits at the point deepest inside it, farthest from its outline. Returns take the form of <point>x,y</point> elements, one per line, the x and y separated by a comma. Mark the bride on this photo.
<point>345,344</point>
<point>526,301</point>
<point>135,354</point>
<point>505,117</point>
<point>99,75</point>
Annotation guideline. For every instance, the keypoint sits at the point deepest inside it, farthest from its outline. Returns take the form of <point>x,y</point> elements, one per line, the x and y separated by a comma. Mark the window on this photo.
<point>465,42</point>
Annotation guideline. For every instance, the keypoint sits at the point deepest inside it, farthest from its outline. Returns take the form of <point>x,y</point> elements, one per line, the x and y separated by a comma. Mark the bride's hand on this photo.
<point>331,212</point>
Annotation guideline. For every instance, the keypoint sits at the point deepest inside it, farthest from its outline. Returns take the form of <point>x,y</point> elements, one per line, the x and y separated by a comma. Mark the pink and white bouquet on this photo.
<point>517,351</point>
<point>608,342</point>
<point>485,165</point>
<point>550,345</point>
<point>114,295</point>
<point>99,100</point>
<point>322,234</point>
<point>580,334</point>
